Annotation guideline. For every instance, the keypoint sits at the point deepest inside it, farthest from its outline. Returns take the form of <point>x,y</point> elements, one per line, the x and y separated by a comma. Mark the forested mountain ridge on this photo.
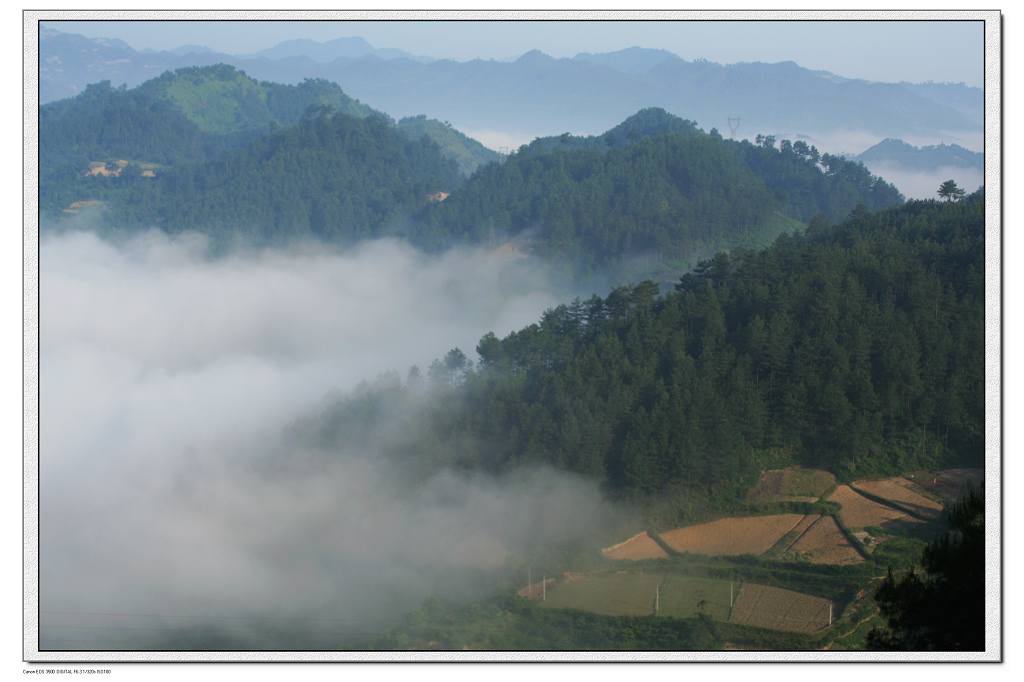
<point>655,190</point>
<point>856,348</point>
<point>178,116</point>
<point>332,177</point>
<point>655,187</point>
<point>193,115</point>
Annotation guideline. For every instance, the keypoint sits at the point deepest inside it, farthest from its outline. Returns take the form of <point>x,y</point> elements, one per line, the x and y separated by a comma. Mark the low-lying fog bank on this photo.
<point>176,509</point>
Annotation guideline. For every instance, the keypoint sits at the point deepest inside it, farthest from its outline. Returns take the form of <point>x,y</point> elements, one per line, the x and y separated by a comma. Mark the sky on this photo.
<point>890,51</point>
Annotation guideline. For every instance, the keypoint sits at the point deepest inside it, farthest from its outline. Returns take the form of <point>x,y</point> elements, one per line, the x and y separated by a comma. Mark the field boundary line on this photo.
<point>851,538</point>
<point>806,531</point>
<point>656,536</point>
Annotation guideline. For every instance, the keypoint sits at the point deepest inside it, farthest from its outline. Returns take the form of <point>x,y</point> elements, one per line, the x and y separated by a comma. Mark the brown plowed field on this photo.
<point>824,543</point>
<point>792,484</point>
<point>859,512</point>
<point>636,548</point>
<point>732,536</point>
<point>777,609</point>
<point>899,489</point>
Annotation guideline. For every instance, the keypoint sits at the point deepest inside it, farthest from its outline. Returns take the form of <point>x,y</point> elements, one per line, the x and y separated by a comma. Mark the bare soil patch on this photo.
<point>902,491</point>
<point>825,543</point>
<point>732,536</point>
<point>640,546</point>
<point>859,512</point>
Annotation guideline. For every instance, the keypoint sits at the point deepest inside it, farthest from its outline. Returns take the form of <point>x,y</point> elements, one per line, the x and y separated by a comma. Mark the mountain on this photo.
<point>339,48</point>
<point>930,158</point>
<point>467,153</point>
<point>191,115</point>
<point>653,194</point>
<point>68,62</point>
<point>539,94</point>
<point>855,348</point>
<point>333,177</point>
<point>635,60</point>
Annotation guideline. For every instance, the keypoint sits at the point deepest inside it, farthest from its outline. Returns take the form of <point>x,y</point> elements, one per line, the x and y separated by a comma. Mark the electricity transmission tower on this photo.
<point>734,125</point>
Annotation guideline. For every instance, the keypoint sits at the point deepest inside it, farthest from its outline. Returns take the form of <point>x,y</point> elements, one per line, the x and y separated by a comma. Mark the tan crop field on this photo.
<point>824,543</point>
<point>859,512</point>
<point>792,484</point>
<point>900,490</point>
<point>774,608</point>
<point>640,546</point>
<point>732,536</point>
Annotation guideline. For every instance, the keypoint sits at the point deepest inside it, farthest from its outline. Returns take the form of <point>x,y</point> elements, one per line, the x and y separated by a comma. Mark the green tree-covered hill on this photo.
<point>655,184</point>
<point>857,348</point>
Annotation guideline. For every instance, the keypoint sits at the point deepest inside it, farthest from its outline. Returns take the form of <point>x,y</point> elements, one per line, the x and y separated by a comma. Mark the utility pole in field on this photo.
<point>657,598</point>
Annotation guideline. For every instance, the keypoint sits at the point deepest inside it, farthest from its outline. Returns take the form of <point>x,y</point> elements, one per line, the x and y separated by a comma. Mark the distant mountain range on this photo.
<point>891,152</point>
<point>540,94</point>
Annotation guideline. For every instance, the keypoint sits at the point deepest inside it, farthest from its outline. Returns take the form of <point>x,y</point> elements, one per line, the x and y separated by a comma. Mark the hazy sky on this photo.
<point>883,51</point>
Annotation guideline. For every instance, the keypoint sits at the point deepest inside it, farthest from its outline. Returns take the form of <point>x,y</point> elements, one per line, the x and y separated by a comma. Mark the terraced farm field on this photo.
<point>777,609</point>
<point>792,484</point>
<point>900,490</point>
<point>733,535</point>
<point>859,512</point>
<point>824,543</point>
<point>640,546</point>
<point>683,596</point>
<point>611,594</point>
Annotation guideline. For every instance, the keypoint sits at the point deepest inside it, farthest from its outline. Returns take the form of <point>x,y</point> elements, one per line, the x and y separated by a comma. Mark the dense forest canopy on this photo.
<point>333,177</point>
<point>654,186</point>
<point>855,348</point>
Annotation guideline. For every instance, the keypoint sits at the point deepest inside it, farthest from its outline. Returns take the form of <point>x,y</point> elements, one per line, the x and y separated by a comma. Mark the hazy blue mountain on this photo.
<point>629,60</point>
<point>897,152</point>
<point>968,101</point>
<point>539,94</point>
<point>68,62</point>
<point>328,51</point>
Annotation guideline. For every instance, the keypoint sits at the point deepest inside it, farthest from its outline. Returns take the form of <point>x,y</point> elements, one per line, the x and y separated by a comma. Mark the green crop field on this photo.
<point>633,594</point>
<point>686,596</point>
<point>612,594</point>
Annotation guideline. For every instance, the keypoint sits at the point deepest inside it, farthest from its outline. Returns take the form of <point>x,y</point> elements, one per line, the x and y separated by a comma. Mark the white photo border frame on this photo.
<point>993,652</point>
